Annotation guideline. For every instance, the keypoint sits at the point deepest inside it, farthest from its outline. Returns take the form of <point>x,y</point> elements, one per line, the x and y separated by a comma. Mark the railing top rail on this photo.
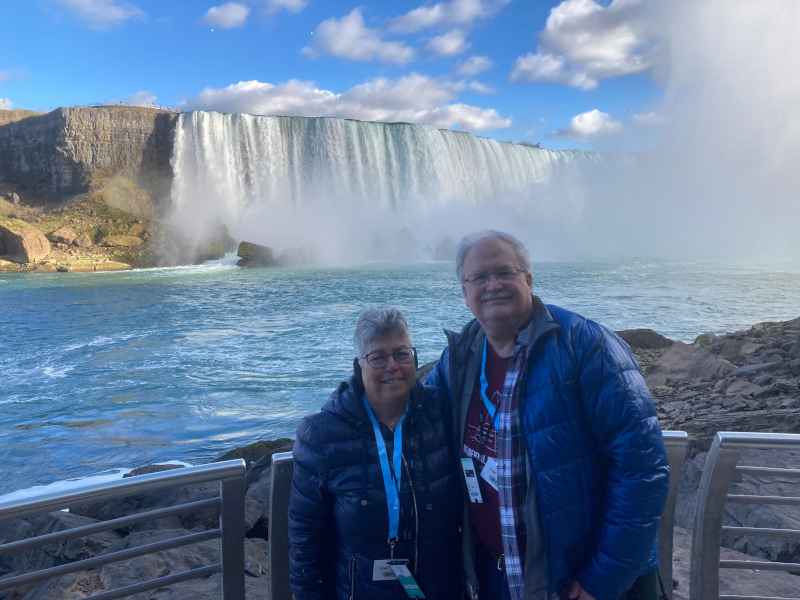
<point>675,436</point>
<point>229,469</point>
<point>737,440</point>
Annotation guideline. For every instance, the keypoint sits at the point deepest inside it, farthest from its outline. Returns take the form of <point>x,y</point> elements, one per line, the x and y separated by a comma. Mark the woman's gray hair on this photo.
<point>469,240</point>
<point>376,323</point>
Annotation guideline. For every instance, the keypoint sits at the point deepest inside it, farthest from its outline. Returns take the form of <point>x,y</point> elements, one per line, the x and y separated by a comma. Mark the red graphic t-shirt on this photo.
<point>480,444</point>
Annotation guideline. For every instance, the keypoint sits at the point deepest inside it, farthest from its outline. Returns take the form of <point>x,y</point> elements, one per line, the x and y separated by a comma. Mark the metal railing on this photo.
<point>282,469</point>
<point>282,465</point>
<point>677,443</point>
<point>721,470</point>
<point>229,506</point>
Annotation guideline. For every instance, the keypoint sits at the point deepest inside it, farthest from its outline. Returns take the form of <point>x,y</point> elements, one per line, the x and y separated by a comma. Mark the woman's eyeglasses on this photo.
<point>402,356</point>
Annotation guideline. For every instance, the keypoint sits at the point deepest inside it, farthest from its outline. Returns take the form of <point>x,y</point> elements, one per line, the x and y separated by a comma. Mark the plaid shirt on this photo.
<point>512,476</point>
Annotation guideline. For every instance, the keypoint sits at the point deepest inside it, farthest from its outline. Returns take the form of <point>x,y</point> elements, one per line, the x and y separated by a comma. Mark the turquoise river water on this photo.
<point>108,371</point>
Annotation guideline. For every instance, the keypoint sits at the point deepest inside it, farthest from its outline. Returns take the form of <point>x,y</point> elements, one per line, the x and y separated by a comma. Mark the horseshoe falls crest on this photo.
<point>348,186</point>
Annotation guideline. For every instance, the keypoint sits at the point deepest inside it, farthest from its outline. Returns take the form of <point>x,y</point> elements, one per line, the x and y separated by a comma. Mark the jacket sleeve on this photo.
<point>309,517</point>
<point>624,424</point>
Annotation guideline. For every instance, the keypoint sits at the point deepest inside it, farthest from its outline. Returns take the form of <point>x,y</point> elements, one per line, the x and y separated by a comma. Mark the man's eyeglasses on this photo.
<point>504,275</point>
<point>403,356</point>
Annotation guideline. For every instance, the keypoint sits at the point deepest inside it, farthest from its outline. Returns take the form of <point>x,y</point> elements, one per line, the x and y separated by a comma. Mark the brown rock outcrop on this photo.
<point>63,235</point>
<point>64,152</point>
<point>255,255</point>
<point>22,242</point>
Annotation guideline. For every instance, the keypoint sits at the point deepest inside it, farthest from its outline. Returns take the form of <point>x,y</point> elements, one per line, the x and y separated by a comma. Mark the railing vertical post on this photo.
<point>282,469</point>
<point>718,474</point>
<point>231,543</point>
<point>676,443</point>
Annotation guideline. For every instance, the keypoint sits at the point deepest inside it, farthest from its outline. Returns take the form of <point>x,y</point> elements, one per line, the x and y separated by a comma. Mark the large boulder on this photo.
<point>255,255</point>
<point>82,240</point>
<point>683,363</point>
<point>23,242</point>
<point>63,235</point>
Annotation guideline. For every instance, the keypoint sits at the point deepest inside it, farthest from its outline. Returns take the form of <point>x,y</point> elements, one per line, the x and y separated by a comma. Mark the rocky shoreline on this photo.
<point>742,381</point>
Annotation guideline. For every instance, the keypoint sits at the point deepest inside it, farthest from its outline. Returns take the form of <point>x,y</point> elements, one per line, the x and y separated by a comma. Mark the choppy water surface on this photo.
<point>105,371</point>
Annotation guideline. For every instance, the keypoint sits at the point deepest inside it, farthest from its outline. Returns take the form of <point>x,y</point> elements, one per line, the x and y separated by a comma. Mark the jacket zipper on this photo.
<point>352,577</point>
<point>416,514</point>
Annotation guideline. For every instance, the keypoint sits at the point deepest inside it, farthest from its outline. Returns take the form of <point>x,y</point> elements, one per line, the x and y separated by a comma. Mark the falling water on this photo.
<point>274,175</point>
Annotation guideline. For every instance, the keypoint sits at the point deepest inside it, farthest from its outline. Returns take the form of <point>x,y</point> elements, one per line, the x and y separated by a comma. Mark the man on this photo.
<point>564,466</point>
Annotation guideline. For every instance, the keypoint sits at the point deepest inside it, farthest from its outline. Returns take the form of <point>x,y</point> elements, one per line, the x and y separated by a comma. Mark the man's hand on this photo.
<point>576,592</point>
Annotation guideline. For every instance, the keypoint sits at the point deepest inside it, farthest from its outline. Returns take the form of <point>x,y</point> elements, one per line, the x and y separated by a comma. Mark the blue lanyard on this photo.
<point>391,478</point>
<point>485,386</point>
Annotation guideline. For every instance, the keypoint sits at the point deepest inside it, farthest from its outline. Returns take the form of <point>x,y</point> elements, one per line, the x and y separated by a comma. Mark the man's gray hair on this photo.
<point>379,322</point>
<point>469,240</point>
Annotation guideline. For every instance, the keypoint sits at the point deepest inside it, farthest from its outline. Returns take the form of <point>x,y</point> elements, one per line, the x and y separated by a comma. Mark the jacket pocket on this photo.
<point>352,570</point>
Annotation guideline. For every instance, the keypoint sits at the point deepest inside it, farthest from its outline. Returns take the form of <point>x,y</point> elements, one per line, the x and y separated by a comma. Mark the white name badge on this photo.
<point>382,569</point>
<point>473,486</point>
<point>489,472</point>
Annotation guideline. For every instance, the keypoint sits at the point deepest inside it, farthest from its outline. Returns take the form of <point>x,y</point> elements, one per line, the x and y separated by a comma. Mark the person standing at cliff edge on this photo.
<point>564,468</point>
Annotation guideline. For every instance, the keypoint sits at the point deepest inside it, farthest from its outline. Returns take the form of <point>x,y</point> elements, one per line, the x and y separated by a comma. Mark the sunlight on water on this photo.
<point>115,370</point>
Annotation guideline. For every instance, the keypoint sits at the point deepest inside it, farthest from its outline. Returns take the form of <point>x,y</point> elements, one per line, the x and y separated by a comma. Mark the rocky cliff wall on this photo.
<point>70,150</point>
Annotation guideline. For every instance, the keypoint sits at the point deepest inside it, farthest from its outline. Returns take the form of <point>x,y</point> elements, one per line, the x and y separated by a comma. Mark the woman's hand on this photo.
<point>576,592</point>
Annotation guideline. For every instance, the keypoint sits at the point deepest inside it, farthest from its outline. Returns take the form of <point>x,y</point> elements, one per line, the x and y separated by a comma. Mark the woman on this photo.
<point>375,487</point>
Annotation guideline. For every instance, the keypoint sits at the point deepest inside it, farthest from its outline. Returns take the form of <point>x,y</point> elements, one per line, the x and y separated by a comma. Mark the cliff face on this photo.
<point>74,150</point>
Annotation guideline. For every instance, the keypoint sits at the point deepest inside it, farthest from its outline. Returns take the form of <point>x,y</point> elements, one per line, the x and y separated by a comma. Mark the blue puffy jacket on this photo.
<point>338,519</point>
<point>599,468</point>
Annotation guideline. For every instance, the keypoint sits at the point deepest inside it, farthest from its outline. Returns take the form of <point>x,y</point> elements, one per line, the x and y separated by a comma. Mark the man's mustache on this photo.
<point>499,295</point>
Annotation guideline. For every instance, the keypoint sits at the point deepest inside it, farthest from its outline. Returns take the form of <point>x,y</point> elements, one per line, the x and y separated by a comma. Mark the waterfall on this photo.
<point>299,179</point>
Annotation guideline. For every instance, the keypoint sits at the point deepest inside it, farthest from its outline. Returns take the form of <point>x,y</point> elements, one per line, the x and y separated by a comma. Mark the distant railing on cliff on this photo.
<point>229,506</point>
<point>131,104</point>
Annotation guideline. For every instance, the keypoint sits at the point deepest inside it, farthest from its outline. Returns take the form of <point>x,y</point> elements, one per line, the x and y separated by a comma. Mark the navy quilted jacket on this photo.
<point>338,519</point>
<point>599,465</point>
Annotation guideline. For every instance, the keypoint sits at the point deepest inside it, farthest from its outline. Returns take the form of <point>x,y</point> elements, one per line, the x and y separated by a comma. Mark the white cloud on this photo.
<point>412,98</point>
<point>349,38</point>
<point>226,16</point>
<point>103,14</point>
<point>141,97</point>
<point>584,41</point>
<point>588,125</point>
<point>449,44</point>
<point>474,65</point>
<point>292,6</point>
<point>550,68</point>
<point>6,104</point>
<point>5,76</point>
<point>461,13</point>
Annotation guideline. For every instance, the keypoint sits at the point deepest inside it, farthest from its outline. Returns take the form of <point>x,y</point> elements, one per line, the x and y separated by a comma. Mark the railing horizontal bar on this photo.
<point>105,559</point>
<point>733,440</point>
<point>761,532</point>
<point>229,469</point>
<point>157,583</point>
<point>744,499</point>
<point>771,471</point>
<point>732,597</point>
<point>759,564</point>
<point>85,530</point>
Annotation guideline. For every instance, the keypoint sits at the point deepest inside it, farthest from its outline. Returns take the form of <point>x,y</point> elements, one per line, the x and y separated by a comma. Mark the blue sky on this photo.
<point>572,74</point>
